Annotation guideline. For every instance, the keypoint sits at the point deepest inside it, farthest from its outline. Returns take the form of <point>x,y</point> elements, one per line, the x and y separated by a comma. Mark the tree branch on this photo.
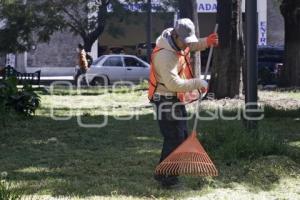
<point>101,21</point>
<point>76,25</point>
<point>73,18</point>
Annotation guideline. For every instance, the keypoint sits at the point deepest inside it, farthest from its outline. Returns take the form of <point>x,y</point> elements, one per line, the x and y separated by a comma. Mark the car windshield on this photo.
<point>98,60</point>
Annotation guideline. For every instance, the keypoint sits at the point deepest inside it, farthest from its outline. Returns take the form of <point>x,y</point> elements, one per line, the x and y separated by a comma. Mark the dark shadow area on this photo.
<point>62,158</point>
<point>270,111</point>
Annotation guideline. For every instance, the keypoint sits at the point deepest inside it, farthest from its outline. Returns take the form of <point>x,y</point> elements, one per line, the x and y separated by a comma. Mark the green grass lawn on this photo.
<point>57,158</point>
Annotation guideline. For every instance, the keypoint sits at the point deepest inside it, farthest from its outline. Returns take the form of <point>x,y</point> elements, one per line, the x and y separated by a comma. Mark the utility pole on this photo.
<point>149,30</point>
<point>251,59</point>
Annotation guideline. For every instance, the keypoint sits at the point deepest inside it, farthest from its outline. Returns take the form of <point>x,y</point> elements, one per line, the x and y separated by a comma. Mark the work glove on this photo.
<point>204,87</point>
<point>212,40</point>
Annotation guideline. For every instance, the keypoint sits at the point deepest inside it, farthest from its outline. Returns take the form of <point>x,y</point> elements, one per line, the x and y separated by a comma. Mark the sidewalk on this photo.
<point>57,78</point>
<point>47,80</point>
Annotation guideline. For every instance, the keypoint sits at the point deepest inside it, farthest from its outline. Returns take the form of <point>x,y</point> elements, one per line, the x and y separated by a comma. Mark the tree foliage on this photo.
<point>37,20</point>
<point>22,23</point>
<point>86,18</point>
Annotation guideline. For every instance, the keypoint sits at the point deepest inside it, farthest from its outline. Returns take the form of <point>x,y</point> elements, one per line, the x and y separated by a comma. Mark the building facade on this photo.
<point>58,57</point>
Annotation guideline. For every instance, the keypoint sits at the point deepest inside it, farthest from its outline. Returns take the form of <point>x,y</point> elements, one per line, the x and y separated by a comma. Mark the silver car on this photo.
<point>117,67</point>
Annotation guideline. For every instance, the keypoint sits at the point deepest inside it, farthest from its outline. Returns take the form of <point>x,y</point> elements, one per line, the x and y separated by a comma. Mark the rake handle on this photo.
<point>197,109</point>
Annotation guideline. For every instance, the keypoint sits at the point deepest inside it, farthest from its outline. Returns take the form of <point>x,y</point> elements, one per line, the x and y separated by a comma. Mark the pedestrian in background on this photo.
<point>83,64</point>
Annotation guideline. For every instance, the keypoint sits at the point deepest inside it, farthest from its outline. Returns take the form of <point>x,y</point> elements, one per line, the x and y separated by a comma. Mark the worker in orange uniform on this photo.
<point>170,79</point>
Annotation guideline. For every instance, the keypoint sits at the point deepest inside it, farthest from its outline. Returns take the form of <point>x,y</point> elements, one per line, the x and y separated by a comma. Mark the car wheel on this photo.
<point>99,81</point>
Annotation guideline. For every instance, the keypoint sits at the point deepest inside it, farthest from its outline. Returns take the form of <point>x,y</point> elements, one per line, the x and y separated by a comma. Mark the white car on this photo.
<point>117,67</point>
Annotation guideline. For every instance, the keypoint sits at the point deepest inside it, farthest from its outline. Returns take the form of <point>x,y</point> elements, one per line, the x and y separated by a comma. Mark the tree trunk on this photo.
<point>188,9</point>
<point>88,43</point>
<point>89,37</point>
<point>229,57</point>
<point>290,10</point>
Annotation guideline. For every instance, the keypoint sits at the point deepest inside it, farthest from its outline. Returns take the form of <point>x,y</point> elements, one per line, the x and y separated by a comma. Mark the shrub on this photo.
<point>24,100</point>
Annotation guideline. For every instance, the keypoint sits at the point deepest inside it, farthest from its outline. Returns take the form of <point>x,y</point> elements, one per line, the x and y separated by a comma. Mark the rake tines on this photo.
<point>189,158</point>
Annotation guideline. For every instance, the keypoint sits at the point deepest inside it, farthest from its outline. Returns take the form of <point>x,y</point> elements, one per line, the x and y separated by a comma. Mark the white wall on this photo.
<point>210,6</point>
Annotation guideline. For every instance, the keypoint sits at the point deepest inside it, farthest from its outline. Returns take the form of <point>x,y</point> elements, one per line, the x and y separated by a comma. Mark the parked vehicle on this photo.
<point>117,67</point>
<point>270,67</point>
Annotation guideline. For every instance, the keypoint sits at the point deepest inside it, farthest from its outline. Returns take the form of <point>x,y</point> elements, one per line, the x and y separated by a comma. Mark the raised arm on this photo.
<point>203,43</point>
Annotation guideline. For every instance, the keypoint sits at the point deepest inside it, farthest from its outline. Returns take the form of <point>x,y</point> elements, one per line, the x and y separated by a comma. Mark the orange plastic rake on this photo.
<point>189,158</point>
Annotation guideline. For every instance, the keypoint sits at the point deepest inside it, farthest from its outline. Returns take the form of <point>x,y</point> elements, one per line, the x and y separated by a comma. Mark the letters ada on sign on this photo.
<point>207,7</point>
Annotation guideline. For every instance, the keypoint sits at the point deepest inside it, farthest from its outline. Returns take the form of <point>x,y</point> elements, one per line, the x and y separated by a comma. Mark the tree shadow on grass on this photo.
<point>63,159</point>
